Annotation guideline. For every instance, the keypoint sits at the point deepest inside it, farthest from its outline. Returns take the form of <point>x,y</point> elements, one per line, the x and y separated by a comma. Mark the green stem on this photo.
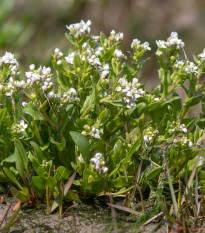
<point>87,110</point>
<point>46,118</point>
<point>183,112</point>
<point>38,134</point>
<point>121,110</point>
<point>176,210</point>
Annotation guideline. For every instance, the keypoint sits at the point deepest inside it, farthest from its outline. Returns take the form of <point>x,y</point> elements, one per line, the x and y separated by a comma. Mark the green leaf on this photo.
<point>154,173</point>
<point>97,186</point>
<point>34,113</point>
<point>63,82</point>
<point>196,134</point>
<point>20,196</point>
<point>104,116</point>
<point>62,173</point>
<point>102,38</point>
<point>51,182</point>
<point>76,61</point>
<point>21,155</point>
<point>39,153</point>
<point>71,39</point>
<point>60,145</point>
<point>108,55</point>
<point>89,101</point>
<point>132,150</point>
<point>44,106</point>
<point>10,159</point>
<point>11,221</point>
<point>38,182</point>
<point>2,114</point>
<point>12,177</point>
<point>82,143</point>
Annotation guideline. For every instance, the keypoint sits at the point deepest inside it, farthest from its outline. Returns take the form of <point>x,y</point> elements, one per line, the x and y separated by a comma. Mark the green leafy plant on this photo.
<point>95,120</point>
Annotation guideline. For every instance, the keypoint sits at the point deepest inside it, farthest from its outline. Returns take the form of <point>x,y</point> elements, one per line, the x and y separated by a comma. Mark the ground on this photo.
<point>83,218</point>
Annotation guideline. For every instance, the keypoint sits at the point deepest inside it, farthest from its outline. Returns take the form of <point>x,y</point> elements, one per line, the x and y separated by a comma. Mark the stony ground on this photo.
<point>82,218</point>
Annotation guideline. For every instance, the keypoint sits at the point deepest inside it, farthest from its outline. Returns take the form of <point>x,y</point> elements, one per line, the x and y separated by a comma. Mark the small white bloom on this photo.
<point>32,67</point>
<point>22,126</point>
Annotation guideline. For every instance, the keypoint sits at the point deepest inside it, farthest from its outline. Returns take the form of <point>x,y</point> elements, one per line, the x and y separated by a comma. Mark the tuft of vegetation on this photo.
<point>87,127</point>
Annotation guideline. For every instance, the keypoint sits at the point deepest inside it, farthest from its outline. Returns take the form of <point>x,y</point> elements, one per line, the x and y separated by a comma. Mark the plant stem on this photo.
<point>176,210</point>
<point>46,118</point>
<point>47,199</point>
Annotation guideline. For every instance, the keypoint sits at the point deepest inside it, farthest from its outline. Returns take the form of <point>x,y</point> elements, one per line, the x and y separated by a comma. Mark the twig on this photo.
<point>114,215</point>
<point>196,193</point>
<point>68,209</point>
<point>152,219</point>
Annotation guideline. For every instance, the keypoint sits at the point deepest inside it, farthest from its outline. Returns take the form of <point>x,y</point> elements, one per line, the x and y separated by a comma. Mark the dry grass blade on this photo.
<point>70,207</point>
<point>69,183</point>
<point>67,186</point>
<point>131,211</point>
<point>153,218</point>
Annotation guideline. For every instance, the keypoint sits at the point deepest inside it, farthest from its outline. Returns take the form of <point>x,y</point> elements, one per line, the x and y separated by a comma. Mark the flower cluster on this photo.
<point>184,142</point>
<point>81,29</point>
<point>91,55</point>
<point>172,42</point>
<point>9,60</point>
<point>105,70</point>
<point>130,92</point>
<point>116,36</point>
<point>19,127</point>
<point>58,55</point>
<point>119,54</point>
<point>12,86</point>
<point>138,46</point>
<point>150,135</point>
<point>99,163</point>
<point>186,67</point>
<point>202,55</point>
<point>176,127</point>
<point>93,132</point>
<point>70,96</point>
<point>41,77</point>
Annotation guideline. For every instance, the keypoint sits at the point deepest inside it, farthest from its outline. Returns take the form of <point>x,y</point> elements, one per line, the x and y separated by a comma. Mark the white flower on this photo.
<point>80,29</point>
<point>32,67</point>
<point>119,54</point>
<point>184,130</point>
<point>159,53</point>
<point>51,94</point>
<point>24,104</point>
<point>105,169</point>
<point>80,159</point>
<point>59,62</point>
<point>56,50</point>
<point>134,43</point>
<point>161,44</point>
<point>70,58</point>
<point>105,71</point>
<point>146,46</point>
<point>190,144</point>
<point>22,126</point>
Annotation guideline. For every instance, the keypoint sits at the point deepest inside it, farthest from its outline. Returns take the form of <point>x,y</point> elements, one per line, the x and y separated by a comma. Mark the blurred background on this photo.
<point>33,28</point>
